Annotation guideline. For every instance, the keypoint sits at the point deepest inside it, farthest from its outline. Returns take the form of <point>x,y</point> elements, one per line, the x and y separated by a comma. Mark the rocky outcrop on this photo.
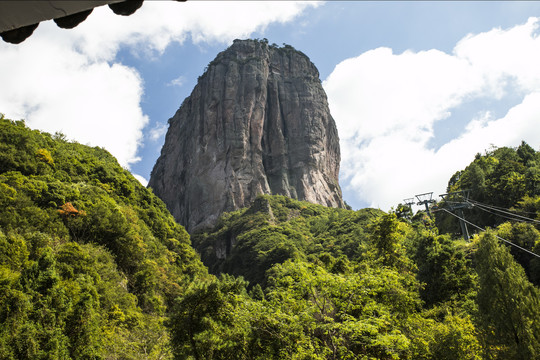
<point>256,123</point>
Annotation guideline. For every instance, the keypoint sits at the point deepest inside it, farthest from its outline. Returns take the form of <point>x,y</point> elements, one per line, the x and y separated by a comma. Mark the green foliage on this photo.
<point>454,339</point>
<point>344,315</point>
<point>274,229</point>
<point>89,259</point>
<point>308,312</point>
<point>340,284</point>
<point>503,177</point>
<point>210,321</point>
<point>93,266</point>
<point>528,237</point>
<point>388,237</point>
<point>508,304</point>
<point>443,267</point>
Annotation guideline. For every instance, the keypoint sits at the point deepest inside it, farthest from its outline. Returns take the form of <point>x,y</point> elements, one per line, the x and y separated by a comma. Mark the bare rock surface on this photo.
<point>257,122</point>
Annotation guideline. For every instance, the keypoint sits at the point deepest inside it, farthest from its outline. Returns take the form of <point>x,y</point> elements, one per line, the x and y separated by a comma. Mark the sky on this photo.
<point>416,88</point>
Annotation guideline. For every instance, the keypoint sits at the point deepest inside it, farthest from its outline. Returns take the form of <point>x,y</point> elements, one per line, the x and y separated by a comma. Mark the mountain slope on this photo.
<point>90,260</point>
<point>92,266</point>
<point>274,229</point>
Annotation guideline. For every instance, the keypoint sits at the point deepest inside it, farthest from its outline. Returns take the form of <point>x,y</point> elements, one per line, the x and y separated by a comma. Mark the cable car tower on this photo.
<point>408,203</point>
<point>425,199</point>
<point>456,202</point>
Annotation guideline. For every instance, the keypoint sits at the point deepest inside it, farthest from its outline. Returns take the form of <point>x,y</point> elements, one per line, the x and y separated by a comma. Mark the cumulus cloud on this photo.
<point>70,81</point>
<point>179,81</point>
<point>141,179</point>
<point>202,21</point>
<point>57,89</point>
<point>158,131</point>
<point>386,106</point>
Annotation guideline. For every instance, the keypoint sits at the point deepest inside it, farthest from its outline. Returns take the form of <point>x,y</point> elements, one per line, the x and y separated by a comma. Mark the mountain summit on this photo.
<point>257,122</point>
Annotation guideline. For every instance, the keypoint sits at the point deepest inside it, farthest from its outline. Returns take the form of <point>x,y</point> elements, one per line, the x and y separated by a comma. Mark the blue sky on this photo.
<point>416,88</point>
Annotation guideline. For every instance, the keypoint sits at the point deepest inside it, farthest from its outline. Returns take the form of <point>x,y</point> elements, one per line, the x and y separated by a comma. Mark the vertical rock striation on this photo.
<point>257,122</point>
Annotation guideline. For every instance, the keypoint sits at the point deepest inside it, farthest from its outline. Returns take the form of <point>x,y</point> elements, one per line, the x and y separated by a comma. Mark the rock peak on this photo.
<point>257,122</point>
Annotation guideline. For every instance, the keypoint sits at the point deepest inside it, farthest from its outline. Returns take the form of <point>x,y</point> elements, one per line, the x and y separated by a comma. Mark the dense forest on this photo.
<point>93,266</point>
<point>90,260</point>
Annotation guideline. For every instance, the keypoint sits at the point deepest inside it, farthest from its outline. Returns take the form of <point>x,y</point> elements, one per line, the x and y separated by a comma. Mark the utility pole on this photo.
<point>425,199</point>
<point>457,201</point>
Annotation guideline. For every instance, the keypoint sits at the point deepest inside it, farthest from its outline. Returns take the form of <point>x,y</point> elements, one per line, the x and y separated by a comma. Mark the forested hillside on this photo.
<point>502,188</point>
<point>90,260</point>
<point>92,266</point>
<point>340,284</point>
<point>248,242</point>
<point>503,177</point>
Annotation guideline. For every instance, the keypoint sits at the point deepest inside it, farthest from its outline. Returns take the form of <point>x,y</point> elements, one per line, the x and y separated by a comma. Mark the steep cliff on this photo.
<point>256,123</point>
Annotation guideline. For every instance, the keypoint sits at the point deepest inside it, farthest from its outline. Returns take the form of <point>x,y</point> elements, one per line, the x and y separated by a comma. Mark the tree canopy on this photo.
<point>93,266</point>
<point>90,260</point>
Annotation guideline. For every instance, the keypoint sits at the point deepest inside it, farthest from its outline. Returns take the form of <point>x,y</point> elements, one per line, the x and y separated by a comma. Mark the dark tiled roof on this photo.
<point>19,19</point>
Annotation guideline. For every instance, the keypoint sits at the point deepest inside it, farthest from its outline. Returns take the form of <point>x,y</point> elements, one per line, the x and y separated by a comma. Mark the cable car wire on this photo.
<point>494,208</point>
<point>498,237</point>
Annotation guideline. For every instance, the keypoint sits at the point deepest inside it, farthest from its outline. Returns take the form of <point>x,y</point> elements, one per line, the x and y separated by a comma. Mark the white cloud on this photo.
<point>158,131</point>
<point>70,81</point>
<point>370,93</point>
<point>520,123</point>
<point>57,89</point>
<point>157,24</point>
<point>386,105</point>
<point>141,179</point>
<point>179,81</point>
<point>503,56</point>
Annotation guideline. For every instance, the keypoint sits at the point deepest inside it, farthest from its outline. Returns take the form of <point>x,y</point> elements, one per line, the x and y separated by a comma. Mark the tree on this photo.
<point>526,236</point>
<point>321,315</point>
<point>404,211</point>
<point>508,304</point>
<point>208,321</point>
<point>455,339</point>
<point>525,152</point>
<point>387,234</point>
<point>442,267</point>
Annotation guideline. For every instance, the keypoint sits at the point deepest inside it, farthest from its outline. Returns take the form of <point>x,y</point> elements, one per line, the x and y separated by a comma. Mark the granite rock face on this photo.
<point>257,122</point>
